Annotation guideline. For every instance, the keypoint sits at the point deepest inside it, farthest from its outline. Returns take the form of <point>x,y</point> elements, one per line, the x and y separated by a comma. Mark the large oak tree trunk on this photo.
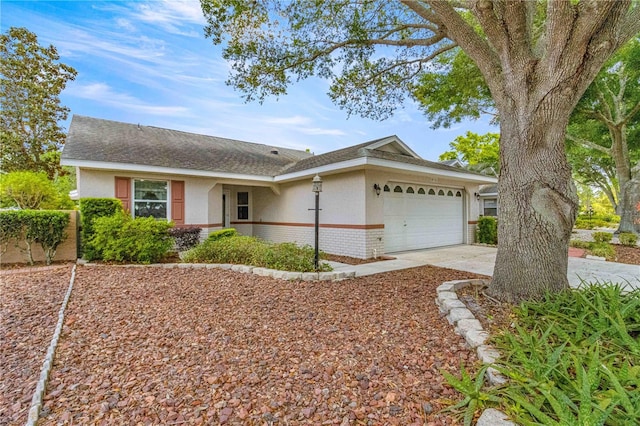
<point>537,198</point>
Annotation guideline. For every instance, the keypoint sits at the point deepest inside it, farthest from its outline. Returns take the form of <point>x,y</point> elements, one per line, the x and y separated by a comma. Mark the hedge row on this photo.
<point>91,209</point>
<point>487,230</point>
<point>28,227</point>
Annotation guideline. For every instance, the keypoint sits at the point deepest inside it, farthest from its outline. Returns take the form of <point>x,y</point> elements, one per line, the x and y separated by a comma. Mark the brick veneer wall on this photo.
<point>352,242</point>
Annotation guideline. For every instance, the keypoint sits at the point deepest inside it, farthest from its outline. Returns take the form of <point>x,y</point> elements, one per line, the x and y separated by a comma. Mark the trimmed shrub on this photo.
<point>582,223</point>
<point>628,239</point>
<point>44,227</point>
<point>487,230</point>
<point>223,233</point>
<point>290,257</point>
<point>120,238</point>
<point>10,228</point>
<point>580,244</point>
<point>605,250</point>
<point>48,228</point>
<point>253,251</point>
<point>602,237</point>
<point>185,238</point>
<point>90,209</point>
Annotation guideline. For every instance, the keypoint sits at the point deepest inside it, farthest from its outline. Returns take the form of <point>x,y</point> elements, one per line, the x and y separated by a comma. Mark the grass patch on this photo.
<point>572,359</point>
<point>253,251</point>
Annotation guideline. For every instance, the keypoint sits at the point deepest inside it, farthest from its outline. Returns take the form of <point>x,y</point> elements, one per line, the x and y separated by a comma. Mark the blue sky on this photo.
<point>148,62</point>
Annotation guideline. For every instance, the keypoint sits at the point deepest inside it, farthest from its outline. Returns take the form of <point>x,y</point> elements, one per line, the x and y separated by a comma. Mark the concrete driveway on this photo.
<point>480,259</point>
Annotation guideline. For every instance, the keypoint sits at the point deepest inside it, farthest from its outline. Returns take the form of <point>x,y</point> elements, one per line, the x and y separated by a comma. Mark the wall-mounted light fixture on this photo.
<point>377,188</point>
<point>477,195</point>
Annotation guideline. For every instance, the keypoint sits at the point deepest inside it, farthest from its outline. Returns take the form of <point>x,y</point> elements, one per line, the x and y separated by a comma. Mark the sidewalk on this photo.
<point>481,259</point>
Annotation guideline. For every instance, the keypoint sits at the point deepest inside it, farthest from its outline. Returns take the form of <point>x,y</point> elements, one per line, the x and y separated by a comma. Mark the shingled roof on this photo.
<point>103,141</point>
<point>367,150</point>
<point>97,140</point>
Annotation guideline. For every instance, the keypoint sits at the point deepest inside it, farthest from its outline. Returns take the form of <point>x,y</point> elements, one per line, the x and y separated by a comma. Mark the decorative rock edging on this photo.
<point>36,401</point>
<point>470,328</point>
<point>263,272</point>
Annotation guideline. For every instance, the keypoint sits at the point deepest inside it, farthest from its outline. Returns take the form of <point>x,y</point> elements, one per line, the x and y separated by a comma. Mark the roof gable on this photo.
<point>394,145</point>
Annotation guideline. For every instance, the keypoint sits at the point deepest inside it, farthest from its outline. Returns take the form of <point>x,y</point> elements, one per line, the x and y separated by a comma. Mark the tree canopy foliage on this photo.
<point>31,80</point>
<point>537,59</point>
<point>31,190</point>
<point>603,136</point>
<point>479,153</point>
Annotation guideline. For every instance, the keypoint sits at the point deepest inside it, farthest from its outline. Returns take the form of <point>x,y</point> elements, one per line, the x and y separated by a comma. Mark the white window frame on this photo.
<point>135,200</point>
<point>247,205</point>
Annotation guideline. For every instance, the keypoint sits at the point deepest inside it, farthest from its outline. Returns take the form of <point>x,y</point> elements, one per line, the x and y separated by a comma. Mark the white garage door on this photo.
<point>417,217</point>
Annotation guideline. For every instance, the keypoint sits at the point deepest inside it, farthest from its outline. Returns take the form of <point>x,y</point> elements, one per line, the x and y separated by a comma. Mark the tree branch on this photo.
<point>465,36</point>
<point>589,144</point>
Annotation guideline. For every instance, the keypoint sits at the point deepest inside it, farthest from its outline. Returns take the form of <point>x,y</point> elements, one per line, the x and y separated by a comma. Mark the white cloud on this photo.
<point>171,15</point>
<point>125,24</point>
<point>102,93</point>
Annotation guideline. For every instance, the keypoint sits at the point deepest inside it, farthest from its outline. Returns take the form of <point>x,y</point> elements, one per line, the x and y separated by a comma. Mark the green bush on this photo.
<point>602,237</point>
<point>628,239</point>
<point>27,190</point>
<point>223,233</point>
<point>10,228</point>
<point>580,244</point>
<point>582,223</point>
<point>571,359</point>
<point>90,209</point>
<point>239,249</point>
<point>120,238</point>
<point>185,237</point>
<point>574,358</point>
<point>28,227</point>
<point>290,257</point>
<point>253,251</point>
<point>605,250</point>
<point>608,219</point>
<point>488,230</point>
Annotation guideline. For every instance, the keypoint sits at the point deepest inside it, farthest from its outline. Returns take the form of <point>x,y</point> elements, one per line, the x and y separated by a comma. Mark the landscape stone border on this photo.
<point>245,269</point>
<point>469,327</point>
<point>36,400</point>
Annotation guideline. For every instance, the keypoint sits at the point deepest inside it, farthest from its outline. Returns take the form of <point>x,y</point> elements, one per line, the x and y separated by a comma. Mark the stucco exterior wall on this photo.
<point>342,201</point>
<point>290,216</point>
<point>67,250</point>
<point>351,216</point>
<point>199,193</point>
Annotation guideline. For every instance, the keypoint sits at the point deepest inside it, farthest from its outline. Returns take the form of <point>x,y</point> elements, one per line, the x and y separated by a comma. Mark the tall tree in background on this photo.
<point>603,132</point>
<point>480,153</point>
<point>607,121</point>
<point>537,58</point>
<point>31,80</point>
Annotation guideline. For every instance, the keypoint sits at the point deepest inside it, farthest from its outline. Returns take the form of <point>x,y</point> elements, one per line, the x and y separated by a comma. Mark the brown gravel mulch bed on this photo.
<point>187,346</point>
<point>624,254</point>
<point>29,305</point>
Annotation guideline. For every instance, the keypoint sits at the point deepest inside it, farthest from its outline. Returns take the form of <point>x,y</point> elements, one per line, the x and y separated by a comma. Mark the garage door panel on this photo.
<point>416,221</point>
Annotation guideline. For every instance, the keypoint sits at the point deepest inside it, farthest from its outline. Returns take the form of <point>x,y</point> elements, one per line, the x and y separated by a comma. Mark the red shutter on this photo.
<point>123,192</point>
<point>177,202</point>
